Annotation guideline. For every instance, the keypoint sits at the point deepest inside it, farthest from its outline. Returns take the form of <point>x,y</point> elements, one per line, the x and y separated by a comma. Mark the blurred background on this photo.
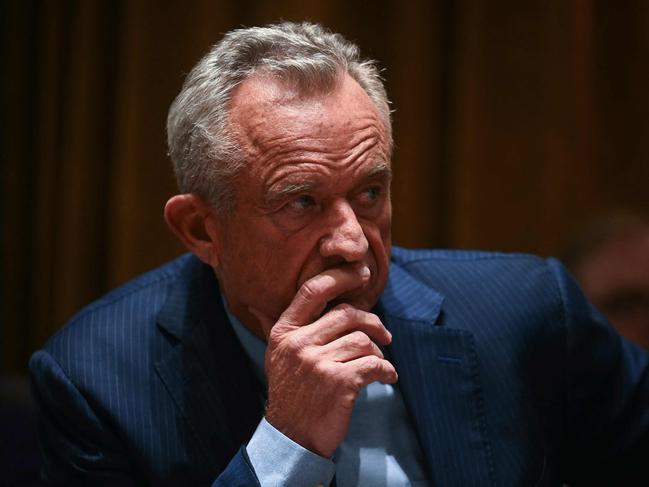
<point>516,124</point>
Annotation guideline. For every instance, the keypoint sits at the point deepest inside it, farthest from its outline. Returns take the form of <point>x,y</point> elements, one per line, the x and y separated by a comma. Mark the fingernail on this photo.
<point>365,271</point>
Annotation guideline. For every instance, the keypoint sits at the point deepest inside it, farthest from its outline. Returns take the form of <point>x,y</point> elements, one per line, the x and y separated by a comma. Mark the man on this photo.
<point>610,259</point>
<point>382,367</point>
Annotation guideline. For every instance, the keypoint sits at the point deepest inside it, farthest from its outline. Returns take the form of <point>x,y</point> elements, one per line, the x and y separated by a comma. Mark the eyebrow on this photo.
<point>288,188</point>
<point>284,189</point>
<point>381,170</point>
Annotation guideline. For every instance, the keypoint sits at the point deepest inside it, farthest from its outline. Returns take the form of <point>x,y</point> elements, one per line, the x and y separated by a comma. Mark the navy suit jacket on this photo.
<point>510,378</point>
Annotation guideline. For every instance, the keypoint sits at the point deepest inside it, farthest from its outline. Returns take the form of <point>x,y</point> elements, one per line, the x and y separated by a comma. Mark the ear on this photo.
<point>193,221</point>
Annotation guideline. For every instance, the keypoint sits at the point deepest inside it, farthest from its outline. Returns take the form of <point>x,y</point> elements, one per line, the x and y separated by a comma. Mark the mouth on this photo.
<point>358,298</point>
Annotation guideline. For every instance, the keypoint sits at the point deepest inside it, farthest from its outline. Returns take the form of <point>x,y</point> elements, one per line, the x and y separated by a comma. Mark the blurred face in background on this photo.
<point>615,277</point>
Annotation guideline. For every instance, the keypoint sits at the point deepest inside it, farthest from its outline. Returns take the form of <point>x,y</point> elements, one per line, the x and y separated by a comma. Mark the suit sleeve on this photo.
<point>606,427</point>
<point>78,449</point>
<point>239,472</point>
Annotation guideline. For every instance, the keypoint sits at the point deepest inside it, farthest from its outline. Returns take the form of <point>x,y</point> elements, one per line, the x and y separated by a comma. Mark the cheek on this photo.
<point>285,262</point>
<point>247,257</point>
<point>378,238</point>
<point>378,230</point>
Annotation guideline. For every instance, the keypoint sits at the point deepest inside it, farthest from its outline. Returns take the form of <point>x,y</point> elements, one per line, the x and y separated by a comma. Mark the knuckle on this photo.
<point>306,355</point>
<point>361,340</point>
<point>294,342</point>
<point>308,290</point>
<point>373,320</point>
<point>347,400</point>
<point>348,314</point>
<point>357,384</point>
<point>320,369</point>
<point>374,363</point>
<point>353,382</point>
<point>339,314</point>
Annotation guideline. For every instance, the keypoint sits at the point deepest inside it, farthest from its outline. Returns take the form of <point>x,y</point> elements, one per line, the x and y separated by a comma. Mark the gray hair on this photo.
<point>205,154</point>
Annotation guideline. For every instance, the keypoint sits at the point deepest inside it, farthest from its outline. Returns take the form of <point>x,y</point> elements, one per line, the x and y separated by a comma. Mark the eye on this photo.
<point>373,193</point>
<point>370,195</point>
<point>303,202</point>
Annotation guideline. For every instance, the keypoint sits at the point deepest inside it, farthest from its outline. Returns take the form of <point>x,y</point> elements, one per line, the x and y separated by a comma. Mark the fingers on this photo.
<point>313,297</point>
<point>314,294</point>
<point>349,347</point>
<point>368,369</point>
<point>344,319</point>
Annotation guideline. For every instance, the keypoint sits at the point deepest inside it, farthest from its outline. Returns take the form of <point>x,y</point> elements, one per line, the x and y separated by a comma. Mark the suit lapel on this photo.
<point>208,376</point>
<point>439,379</point>
<point>206,372</point>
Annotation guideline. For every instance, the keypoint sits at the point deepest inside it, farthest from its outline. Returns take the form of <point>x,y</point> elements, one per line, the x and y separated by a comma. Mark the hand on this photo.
<point>316,366</point>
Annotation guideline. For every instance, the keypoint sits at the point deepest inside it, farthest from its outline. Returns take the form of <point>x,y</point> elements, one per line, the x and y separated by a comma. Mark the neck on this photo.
<point>247,319</point>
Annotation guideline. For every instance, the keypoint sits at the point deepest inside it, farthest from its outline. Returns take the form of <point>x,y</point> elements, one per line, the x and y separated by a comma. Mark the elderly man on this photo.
<point>293,346</point>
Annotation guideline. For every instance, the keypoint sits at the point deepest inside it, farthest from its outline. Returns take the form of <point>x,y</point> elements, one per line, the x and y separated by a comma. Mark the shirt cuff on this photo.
<point>279,461</point>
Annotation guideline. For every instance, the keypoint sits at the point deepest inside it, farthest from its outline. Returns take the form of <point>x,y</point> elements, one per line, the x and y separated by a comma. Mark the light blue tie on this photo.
<point>381,447</point>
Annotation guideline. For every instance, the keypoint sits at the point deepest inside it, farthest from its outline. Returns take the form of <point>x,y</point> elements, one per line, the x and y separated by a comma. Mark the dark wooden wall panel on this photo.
<point>514,123</point>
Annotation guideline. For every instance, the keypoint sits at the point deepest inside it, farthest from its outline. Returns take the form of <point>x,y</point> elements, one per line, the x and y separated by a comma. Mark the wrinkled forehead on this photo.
<point>265,109</point>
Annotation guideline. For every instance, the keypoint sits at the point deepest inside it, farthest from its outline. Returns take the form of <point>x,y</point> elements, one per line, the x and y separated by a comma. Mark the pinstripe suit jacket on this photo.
<point>509,377</point>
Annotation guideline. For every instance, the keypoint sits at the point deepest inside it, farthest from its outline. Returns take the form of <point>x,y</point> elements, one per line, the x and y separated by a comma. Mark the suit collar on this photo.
<point>206,371</point>
<point>187,298</point>
<point>406,298</point>
<point>196,289</point>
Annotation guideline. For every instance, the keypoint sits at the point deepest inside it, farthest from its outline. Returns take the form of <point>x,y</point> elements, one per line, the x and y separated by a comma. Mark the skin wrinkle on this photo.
<point>320,169</point>
<point>327,146</point>
<point>295,107</point>
<point>282,146</point>
<point>329,193</point>
<point>288,177</point>
<point>294,183</point>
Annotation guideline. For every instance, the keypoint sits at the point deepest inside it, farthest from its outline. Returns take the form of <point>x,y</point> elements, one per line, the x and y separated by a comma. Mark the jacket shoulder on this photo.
<point>473,263</point>
<point>405,256</point>
<point>127,309</point>
<point>491,287</point>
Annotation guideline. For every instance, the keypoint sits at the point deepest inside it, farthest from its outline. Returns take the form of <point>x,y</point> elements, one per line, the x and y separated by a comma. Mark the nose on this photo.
<point>345,237</point>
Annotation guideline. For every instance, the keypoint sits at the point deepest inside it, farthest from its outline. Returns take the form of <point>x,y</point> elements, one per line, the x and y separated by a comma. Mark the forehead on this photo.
<point>261,96</point>
<point>274,124</point>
